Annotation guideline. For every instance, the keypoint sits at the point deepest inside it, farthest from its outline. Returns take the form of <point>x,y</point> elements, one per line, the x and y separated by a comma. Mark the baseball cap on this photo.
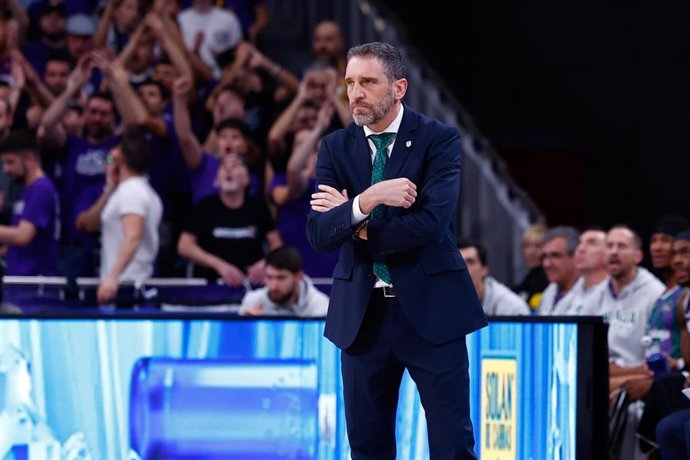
<point>80,24</point>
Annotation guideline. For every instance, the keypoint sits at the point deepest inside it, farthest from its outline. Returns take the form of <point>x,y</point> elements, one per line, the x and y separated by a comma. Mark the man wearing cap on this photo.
<point>79,39</point>
<point>32,238</point>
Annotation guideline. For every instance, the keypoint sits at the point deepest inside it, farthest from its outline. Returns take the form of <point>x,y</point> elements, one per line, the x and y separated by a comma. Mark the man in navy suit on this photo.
<point>401,296</point>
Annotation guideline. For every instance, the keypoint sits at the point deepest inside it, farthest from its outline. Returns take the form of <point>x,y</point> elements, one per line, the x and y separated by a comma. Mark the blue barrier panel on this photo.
<point>131,386</point>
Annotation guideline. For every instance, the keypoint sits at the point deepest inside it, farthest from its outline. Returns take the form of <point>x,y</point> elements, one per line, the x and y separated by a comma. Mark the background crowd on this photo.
<point>146,139</point>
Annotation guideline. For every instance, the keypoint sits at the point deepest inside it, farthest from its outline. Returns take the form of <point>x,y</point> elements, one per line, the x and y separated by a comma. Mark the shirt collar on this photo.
<point>392,128</point>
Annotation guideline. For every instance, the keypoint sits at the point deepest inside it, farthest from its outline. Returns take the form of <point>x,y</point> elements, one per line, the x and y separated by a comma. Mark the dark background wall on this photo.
<point>588,102</point>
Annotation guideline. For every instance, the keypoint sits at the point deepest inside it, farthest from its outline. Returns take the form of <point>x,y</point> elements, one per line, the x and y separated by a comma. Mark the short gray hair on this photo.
<point>391,59</point>
<point>571,235</point>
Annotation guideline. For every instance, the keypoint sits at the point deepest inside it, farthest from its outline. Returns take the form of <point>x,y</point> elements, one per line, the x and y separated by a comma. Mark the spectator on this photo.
<point>496,298</point>
<point>58,67</point>
<point>328,45</point>
<point>667,324</point>
<point>628,301</point>
<point>10,189</point>
<point>288,291</point>
<point>291,193</point>
<point>661,244</point>
<point>119,20</point>
<point>34,233</point>
<point>265,87</point>
<point>590,262</point>
<point>626,304</point>
<point>52,22</point>
<point>535,281</point>
<point>79,36</point>
<point>208,31</point>
<point>558,248</point>
<point>145,110</point>
<point>128,213</point>
<point>227,232</point>
<point>79,165</point>
<point>232,137</point>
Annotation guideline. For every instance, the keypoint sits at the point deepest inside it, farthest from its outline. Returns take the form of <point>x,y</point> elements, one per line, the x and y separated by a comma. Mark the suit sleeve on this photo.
<point>326,231</point>
<point>436,202</point>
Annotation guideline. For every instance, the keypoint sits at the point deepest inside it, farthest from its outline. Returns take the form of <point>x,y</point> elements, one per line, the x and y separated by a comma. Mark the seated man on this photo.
<point>288,290</point>
<point>497,299</point>
<point>33,236</point>
<point>226,233</point>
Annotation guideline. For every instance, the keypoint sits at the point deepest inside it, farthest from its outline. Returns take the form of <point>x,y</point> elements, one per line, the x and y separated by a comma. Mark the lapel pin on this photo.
<point>408,144</point>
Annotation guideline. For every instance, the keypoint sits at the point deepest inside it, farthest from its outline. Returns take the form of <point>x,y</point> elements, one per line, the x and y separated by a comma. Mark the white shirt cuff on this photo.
<point>357,214</point>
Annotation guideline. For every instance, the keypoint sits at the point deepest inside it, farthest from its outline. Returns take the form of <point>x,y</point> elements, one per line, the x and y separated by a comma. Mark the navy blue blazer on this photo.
<point>418,244</point>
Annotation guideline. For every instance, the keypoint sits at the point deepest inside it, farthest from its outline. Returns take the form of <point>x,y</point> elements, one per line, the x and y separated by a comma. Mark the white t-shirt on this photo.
<point>133,196</point>
<point>584,302</point>
<point>628,314</point>
<point>221,28</point>
<point>549,306</point>
<point>500,300</point>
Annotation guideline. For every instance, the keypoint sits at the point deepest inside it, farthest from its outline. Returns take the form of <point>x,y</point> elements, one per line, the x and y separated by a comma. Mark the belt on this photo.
<point>387,291</point>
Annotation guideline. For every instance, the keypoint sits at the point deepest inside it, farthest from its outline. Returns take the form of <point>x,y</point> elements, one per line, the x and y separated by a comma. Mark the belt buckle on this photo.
<point>389,291</point>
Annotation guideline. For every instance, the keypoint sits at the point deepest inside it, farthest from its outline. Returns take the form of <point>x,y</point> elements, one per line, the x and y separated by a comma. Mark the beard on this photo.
<point>282,300</point>
<point>378,111</point>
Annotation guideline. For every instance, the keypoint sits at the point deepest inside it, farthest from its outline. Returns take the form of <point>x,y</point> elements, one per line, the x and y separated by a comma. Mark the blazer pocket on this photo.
<point>437,263</point>
<point>342,271</point>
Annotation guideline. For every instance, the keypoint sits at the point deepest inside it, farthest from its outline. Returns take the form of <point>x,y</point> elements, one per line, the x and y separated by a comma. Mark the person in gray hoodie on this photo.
<point>626,305</point>
<point>497,298</point>
<point>287,291</point>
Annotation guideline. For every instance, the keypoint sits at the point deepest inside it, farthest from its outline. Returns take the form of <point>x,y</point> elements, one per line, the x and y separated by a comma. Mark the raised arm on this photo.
<point>189,145</point>
<point>51,130</point>
<point>101,36</point>
<point>299,169</point>
<point>128,103</point>
<point>162,30</point>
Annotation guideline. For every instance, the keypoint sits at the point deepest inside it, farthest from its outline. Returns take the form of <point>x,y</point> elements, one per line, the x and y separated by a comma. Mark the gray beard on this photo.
<point>377,113</point>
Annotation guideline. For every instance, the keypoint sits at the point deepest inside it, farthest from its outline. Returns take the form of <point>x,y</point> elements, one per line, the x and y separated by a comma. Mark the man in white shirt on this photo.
<point>130,212</point>
<point>288,291</point>
<point>208,31</point>
<point>497,298</point>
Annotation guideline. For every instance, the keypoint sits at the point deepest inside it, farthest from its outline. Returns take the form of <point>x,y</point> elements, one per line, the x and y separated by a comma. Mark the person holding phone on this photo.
<point>128,214</point>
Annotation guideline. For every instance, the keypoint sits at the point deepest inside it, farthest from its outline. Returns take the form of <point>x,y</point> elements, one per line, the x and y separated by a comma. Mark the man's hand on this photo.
<point>256,272</point>
<point>638,388</point>
<point>327,199</point>
<point>254,310</point>
<point>231,275</point>
<point>107,290</point>
<point>398,193</point>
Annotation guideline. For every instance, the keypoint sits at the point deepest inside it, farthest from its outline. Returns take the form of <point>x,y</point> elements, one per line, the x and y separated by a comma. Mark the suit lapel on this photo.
<point>404,144</point>
<point>361,158</point>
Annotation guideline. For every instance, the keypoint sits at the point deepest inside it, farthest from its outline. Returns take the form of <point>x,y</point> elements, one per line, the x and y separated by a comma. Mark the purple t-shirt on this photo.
<point>203,178</point>
<point>82,181</point>
<point>167,171</point>
<point>39,205</point>
<point>292,226</point>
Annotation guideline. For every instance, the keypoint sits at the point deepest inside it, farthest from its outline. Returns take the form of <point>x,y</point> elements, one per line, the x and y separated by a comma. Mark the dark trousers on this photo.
<point>673,436</point>
<point>372,371</point>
